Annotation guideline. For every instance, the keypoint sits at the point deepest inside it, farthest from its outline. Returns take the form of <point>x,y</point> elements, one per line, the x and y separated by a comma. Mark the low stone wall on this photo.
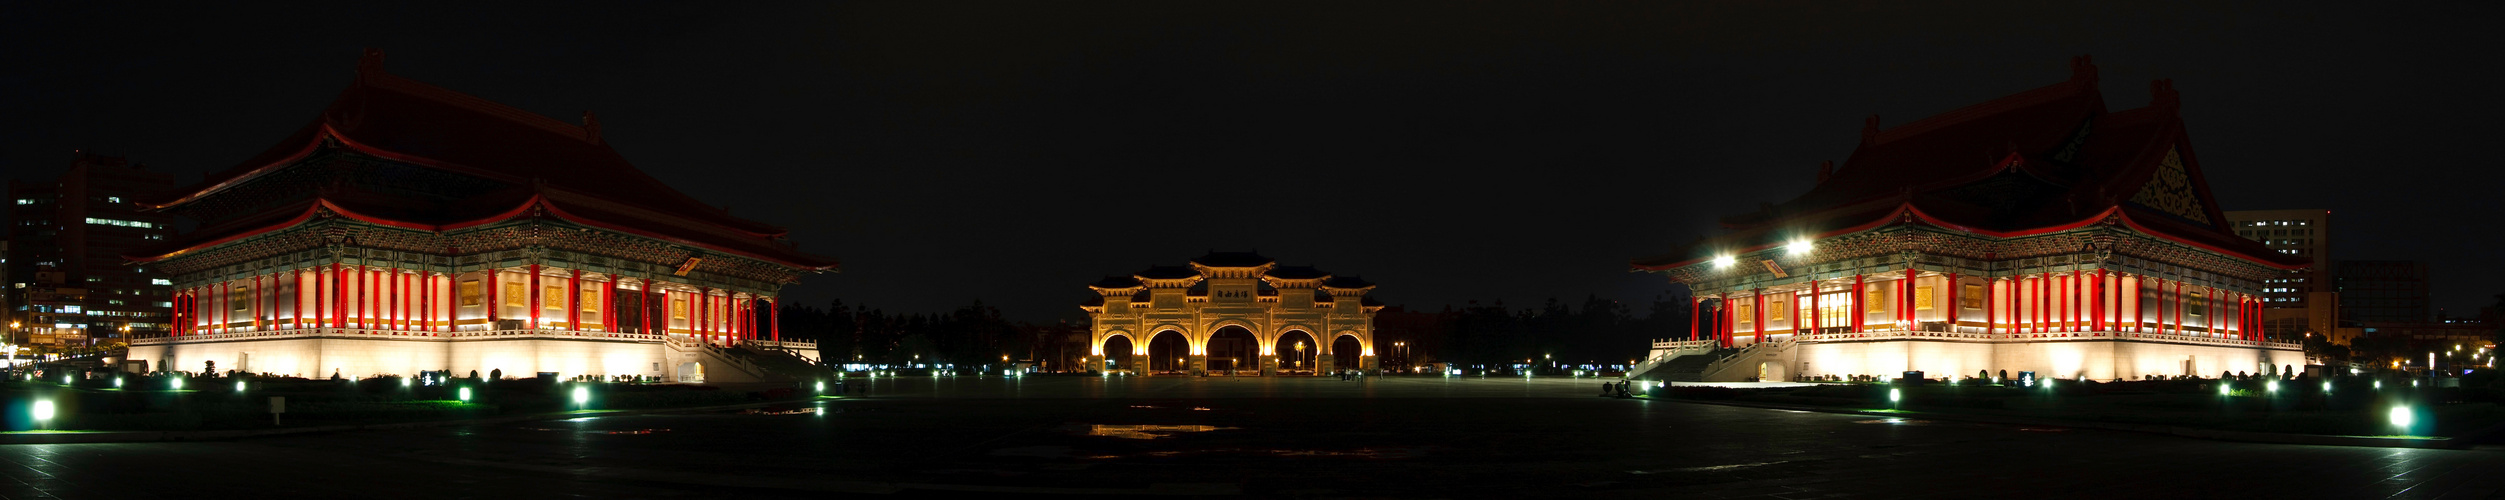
<point>2102,359</point>
<point>361,356</point>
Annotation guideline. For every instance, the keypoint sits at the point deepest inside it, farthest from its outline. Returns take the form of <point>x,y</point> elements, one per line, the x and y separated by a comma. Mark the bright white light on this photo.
<point>43,410</point>
<point>465,394</point>
<point>1724,261</point>
<point>2378,385</point>
<point>1801,247</point>
<point>65,380</point>
<point>582,395</point>
<point>2272,386</point>
<point>239,386</point>
<point>117,382</point>
<point>2401,417</point>
<point>178,384</point>
<point>2326,387</point>
<point>1894,395</point>
<point>1456,371</point>
<point>2223,390</point>
<point>821,386</point>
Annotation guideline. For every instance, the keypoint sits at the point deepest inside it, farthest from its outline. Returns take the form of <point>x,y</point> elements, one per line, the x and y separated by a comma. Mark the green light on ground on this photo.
<point>465,394</point>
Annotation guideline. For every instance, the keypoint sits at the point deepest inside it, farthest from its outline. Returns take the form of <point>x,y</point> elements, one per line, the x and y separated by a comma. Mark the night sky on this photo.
<point>1448,151</point>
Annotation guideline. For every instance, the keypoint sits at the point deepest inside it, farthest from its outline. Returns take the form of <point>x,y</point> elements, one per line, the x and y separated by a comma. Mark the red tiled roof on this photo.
<point>565,167</point>
<point>1998,168</point>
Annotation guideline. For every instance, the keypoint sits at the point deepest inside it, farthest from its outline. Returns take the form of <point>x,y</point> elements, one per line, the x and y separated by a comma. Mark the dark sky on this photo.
<point>1448,151</point>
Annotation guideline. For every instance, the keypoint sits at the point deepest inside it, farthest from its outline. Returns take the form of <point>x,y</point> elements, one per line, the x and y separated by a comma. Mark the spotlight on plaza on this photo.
<point>821,386</point>
<point>2271,387</point>
<point>2224,389</point>
<point>117,382</point>
<point>582,396</point>
<point>1895,396</point>
<point>465,394</point>
<point>239,386</point>
<point>177,383</point>
<point>2402,418</point>
<point>42,411</point>
<point>65,380</point>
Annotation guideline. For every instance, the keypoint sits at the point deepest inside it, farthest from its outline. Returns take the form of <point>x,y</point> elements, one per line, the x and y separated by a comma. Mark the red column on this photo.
<point>1991,308</point>
<point>644,309</point>
<point>1951,309</point>
<point>608,305</point>
<point>426,301</point>
<point>370,310</point>
<point>1905,301</point>
<point>329,284</point>
<point>534,294</point>
<point>1728,330</point>
<point>1853,303</point>
<point>700,308</point>
<point>1695,307</point>
<point>776,304</point>
<point>492,306</point>
<point>1817,316</point>
<point>1759,298</point>
<point>574,300</point>
<point>2044,303</point>
<point>2178,308</point>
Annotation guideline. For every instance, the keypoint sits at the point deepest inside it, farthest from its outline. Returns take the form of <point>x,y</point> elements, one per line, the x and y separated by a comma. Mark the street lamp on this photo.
<point>1299,362</point>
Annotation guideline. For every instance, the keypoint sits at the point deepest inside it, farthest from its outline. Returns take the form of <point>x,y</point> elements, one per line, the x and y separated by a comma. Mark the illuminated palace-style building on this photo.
<point>411,228</point>
<point>1231,311</point>
<point>2034,232</point>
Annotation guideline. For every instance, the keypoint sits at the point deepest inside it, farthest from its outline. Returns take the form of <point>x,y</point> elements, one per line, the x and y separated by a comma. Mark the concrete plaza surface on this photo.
<point>1307,437</point>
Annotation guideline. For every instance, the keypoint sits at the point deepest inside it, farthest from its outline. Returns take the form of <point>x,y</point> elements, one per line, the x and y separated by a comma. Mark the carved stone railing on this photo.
<point>397,335</point>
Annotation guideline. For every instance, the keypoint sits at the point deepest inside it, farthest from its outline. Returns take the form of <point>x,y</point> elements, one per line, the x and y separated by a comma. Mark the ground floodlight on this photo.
<point>239,386</point>
<point>2272,386</point>
<point>2224,390</point>
<point>582,395</point>
<point>821,386</point>
<point>2401,417</point>
<point>65,380</point>
<point>117,382</point>
<point>2378,385</point>
<point>178,383</point>
<point>1895,395</point>
<point>2326,387</point>
<point>465,394</point>
<point>43,410</point>
<point>405,381</point>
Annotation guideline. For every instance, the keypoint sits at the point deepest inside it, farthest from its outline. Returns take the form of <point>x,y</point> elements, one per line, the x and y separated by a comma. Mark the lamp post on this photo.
<point>1299,360</point>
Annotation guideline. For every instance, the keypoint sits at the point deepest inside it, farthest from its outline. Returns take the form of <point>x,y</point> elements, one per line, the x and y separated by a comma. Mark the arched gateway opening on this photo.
<point>1297,352</point>
<point>1169,353</point>
<point>1234,351</point>
<point>1345,352</point>
<point>1118,354</point>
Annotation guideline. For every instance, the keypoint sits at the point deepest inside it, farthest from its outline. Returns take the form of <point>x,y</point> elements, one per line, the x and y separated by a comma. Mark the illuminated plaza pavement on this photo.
<point>1470,439</point>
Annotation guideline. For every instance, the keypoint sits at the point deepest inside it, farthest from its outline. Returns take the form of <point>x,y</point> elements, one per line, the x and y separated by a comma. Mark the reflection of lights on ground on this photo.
<point>1148,431</point>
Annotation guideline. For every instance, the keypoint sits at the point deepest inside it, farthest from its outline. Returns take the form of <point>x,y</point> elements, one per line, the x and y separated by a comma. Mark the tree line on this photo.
<point>1597,331</point>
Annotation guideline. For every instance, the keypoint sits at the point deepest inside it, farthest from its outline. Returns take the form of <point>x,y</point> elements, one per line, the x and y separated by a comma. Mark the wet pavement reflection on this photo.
<point>1179,437</point>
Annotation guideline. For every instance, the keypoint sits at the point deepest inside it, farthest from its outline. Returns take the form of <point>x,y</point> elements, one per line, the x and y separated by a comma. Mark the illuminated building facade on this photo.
<point>2035,232</point>
<point>1242,310</point>
<point>412,228</point>
<point>78,226</point>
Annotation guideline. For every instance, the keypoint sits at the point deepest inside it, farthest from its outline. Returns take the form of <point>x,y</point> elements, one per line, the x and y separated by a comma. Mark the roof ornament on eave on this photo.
<point>1870,130</point>
<point>591,127</point>
<point>2161,95</point>
<point>2083,69</point>
<point>1826,170</point>
<point>370,63</point>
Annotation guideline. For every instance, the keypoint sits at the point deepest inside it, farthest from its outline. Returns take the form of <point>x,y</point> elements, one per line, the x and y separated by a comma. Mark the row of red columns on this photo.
<point>2083,308</point>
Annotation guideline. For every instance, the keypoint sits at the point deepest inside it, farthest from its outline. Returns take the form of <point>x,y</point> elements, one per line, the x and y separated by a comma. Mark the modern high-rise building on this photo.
<point>2300,232</point>
<point>2383,291</point>
<point>79,225</point>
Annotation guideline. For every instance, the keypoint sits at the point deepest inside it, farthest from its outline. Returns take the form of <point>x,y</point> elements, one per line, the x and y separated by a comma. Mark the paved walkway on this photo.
<point>1180,437</point>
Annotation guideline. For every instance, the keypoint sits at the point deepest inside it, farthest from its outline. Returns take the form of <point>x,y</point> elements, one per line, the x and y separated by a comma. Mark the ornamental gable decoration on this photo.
<point>2170,191</point>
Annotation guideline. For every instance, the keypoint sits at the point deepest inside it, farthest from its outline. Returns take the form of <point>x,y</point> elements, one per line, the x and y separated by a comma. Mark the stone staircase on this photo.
<point>777,363</point>
<point>1689,368</point>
